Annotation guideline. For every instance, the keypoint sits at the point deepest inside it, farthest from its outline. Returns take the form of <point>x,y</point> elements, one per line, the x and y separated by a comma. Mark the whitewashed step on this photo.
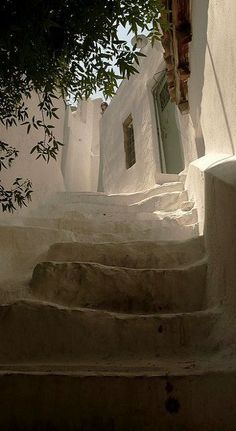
<point>93,285</point>
<point>163,202</point>
<point>115,199</point>
<point>164,227</point>
<point>91,204</point>
<point>154,227</point>
<point>96,215</point>
<point>133,254</point>
<point>35,332</point>
<point>183,218</point>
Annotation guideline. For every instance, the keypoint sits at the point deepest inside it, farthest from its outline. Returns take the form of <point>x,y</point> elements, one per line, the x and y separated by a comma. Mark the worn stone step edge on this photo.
<point>149,229</point>
<point>166,366</point>
<point>165,201</point>
<point>39,332</point>
<point>132,253</point>
<point>94,285</point>
<point>124,198</point>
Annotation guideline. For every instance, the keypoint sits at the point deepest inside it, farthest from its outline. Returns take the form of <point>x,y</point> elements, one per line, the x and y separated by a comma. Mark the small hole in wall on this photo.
<point>172,405</point>
<point>160,329</point>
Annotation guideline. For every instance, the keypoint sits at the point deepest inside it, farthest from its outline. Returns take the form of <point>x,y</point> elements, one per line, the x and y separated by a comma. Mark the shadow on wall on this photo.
<point>217,82</point>
<point>197,61</point>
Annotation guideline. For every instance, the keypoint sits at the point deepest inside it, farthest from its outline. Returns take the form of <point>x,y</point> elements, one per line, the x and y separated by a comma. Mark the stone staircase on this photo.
<point>108,310</point>
<point>161,213</point>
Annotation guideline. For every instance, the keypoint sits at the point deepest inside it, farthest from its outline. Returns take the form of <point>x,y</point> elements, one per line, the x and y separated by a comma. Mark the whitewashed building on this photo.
<point>164,140</point>
<point>118,306</point>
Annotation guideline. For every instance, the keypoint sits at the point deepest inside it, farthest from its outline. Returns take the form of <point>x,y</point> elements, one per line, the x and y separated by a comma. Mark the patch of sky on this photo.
<point>123,33</point>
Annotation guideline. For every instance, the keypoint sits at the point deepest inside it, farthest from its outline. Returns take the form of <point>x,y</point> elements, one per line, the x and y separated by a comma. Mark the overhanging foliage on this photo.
<point>68,46</point>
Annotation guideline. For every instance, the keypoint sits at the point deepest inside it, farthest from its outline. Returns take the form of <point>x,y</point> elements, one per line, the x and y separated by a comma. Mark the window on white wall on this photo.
<point>129,142</point>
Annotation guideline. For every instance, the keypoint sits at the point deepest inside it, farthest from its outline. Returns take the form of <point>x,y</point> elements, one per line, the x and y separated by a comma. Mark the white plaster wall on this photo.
<point>220,234</point>
<point>219,91</point>
<point>46,178</point>
<point>80,162</point>
<point>133,97</point>
<point>188,138</point>
<point>212,90</point>
<point>212,87</point>
<point>195,182</point>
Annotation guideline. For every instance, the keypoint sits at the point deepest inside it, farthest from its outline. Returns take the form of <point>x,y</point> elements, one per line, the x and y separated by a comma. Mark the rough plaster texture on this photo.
<point>80,164</point>
<point>133,97</point>
<point>138,254</point>
<point>44,333</point>
<point>92,285</point>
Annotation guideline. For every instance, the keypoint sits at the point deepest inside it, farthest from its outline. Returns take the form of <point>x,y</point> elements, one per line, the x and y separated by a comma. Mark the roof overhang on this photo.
<point>175,42</point>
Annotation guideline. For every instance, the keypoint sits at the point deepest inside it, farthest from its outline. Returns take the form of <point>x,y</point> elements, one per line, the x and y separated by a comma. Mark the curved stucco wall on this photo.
<point>133,97</point>
<point>220,235</point>
<point>220,231</point>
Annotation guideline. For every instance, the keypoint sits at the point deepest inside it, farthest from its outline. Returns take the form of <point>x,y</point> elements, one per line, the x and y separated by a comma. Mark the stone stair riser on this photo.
<point>120,289</point>
<point>134,254</point>
<point>113,199</point>
<point>33,332</point>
